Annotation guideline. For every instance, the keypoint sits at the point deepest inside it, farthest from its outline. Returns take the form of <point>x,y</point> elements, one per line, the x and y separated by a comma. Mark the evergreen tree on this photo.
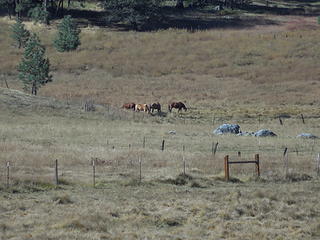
<point>67,38</point>
<point>34,68</point>
<point>39,14</point>
<point>19,34</point>
<point>135,12</point>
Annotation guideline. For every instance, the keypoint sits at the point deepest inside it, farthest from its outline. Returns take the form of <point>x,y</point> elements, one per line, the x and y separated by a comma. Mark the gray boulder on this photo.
<point>227,129</point>
<point>307,135</point>
<point>172,132</point>
<point>264,133</point>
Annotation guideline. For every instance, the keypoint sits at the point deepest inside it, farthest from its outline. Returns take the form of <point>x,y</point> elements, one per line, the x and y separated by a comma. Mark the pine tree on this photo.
<point>34,67</point>
<point>39,14</point>
<point>19,34</point>
<point>67,38</point>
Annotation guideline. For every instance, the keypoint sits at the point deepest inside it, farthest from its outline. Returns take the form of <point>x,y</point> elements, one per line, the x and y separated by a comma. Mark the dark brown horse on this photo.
<point>155,106</point>
<point>129,106</point>
<point>178,105</point>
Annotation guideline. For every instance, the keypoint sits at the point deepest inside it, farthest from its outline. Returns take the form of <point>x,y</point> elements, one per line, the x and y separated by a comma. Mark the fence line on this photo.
<point>133,169</point>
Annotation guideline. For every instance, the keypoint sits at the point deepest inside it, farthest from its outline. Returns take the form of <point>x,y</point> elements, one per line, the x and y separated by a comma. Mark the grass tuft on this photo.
<point>62,199</point>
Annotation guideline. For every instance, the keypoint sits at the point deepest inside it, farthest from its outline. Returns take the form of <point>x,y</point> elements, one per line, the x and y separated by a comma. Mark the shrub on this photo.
<point>67,38</point>
<point>34,68</point>
<point>39,14</point>
<point>19,34</point>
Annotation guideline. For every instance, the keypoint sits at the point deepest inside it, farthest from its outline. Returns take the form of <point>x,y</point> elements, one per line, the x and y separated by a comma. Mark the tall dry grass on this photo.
<point>239,69</point>
<point>31,142</point>
<point>224,76</point>
<point>165,205</point>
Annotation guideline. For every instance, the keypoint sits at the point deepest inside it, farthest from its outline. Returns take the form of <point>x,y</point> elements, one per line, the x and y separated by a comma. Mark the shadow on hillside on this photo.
<point>226,22</point>
<point>188,19</point>
<point>193,19</point>
<point>272,9</point>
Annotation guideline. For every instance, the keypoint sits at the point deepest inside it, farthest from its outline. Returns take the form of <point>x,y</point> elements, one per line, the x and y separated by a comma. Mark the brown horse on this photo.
<point>154,106</point>
<point>142,108</point>
<point>129,106</point>
<point>178,105</point>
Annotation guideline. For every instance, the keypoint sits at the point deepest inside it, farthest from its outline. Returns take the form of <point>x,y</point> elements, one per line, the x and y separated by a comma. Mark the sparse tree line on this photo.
<point>34,67</point>
<point>141,12</point>
<point>135,12</point>
<point>38,10</point>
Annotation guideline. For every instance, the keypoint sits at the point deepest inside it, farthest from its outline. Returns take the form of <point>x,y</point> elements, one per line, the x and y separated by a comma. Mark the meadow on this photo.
<point>251,73</point>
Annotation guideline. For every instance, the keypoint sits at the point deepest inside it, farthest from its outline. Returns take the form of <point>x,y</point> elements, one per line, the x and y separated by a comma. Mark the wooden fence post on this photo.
<point>215,149</point>
<point>56,172</point>
<point>94,172</point>
<point>302,117</point>
<point>5,80</point>
<point>144,142</point>
<point>8,174</point>
<point>239,154</point>
<point>286,161</point>
<point>184,166</point>
<point>318,165</point>
<point>257,159</point>
<point>226,167</point>
<point>162,145</point>
<point>140,171</point>
<point>280,120</point>
<point>259,119</point>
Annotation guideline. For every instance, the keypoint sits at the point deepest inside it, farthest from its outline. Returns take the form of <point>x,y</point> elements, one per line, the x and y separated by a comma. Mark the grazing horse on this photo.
<point>129,106</point>
<point>154,106</point>
<point>179,105</point>
<point>142,108</point>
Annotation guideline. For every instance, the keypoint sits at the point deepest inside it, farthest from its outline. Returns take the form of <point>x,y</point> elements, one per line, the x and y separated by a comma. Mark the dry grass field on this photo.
<point>248,71</point>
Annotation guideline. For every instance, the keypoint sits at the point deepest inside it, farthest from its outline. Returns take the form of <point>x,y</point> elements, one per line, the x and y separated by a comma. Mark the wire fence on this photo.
<point>141,166</point>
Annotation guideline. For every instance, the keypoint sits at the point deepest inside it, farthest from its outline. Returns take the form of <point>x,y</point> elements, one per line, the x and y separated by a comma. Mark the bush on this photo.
<point>20,35</point>
<point>38,14</point>
<point>67,38</point>
<point>34,68</point>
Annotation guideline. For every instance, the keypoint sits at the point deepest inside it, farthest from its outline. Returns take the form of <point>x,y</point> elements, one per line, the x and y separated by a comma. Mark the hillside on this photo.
<point>269,68</point>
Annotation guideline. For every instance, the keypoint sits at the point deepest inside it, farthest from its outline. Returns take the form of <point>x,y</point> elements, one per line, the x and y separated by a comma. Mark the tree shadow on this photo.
<point>226,22</point>
<point>193,19</point>
<point>88,17</point>
<point>190,20</point>
<point>301,10</point>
